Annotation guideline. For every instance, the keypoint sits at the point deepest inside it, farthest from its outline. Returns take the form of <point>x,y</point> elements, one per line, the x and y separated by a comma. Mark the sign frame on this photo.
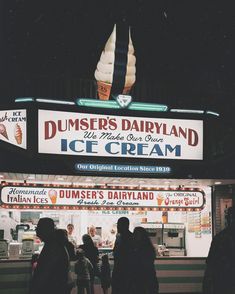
<point>131,144</point>
<point>93,205</point>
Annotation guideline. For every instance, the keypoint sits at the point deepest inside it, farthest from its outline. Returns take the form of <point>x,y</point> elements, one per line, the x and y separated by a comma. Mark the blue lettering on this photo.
<point>108,147</point>
<point>64,145</point>
<point>156,149</point>
<point>140,148</point>
<point>177,149</point>
<point>128,148</point>
<point>73,145</point>
<point>89,146</point>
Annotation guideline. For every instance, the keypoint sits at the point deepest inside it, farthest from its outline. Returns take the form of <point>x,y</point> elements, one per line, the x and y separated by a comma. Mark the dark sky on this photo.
<point>185,47</point>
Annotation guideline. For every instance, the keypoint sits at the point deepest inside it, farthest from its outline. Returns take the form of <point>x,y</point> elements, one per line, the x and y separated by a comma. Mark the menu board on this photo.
<point>199,223</point>
<point>194,223</point>
<point>206,223</point>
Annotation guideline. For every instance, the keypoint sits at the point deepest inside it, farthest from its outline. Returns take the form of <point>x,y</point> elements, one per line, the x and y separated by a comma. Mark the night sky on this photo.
<point>185,48</point>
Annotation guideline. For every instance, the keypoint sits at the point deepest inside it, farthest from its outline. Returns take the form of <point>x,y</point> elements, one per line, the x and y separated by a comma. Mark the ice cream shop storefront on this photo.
<point>87,167</point>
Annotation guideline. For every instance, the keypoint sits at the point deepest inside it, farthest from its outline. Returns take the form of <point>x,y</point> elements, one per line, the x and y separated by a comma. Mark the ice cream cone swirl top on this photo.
<point>117,61</point>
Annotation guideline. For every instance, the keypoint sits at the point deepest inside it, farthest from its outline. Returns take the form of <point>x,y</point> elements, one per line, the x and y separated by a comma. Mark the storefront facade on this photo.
<point>103,166</point>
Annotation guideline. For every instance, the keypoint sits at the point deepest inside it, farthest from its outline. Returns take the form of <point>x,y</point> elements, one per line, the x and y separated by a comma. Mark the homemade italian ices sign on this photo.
<point>119,136</point>
<point>13,127</point>
<point>47,197</point>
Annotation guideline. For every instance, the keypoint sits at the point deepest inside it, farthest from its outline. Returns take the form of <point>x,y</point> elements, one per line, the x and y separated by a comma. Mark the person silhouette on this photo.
<point>144,270</point>
<point>92,253</point>
<point>220,264</point>
<point>61,236</point>
<point>105,274</point>
<point>83,270</point>
<point>51,272</point>
<point>122,278</point>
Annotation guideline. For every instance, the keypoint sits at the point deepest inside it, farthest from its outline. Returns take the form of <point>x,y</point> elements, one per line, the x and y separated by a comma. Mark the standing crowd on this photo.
<point>133,271</point>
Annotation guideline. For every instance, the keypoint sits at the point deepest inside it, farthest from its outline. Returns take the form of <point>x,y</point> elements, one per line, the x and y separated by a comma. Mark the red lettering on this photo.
<point>93,195</point>
<point>167,201</point>
<point>126,124</point>
<point>192,137</point>
<point>50,129</point>
<point>103,124</point>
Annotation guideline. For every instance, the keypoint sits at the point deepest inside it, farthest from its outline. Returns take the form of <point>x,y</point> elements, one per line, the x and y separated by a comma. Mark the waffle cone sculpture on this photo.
<point>115,72</point>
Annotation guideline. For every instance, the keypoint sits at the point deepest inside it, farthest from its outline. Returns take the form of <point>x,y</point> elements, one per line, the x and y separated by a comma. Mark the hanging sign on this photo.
<point>13,127</point>
<point>119,136</point>
<point>42,196</point>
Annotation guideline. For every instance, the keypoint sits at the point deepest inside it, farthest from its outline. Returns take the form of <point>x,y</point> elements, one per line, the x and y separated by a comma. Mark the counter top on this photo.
<point>158,258</point>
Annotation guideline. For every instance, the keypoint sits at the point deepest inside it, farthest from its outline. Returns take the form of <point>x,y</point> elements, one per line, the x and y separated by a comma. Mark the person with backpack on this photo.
<point>105,274</point>
<point>83,270</point>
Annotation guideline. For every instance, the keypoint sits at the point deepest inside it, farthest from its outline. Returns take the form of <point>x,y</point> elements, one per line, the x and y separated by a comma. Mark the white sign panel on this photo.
<point>13,127</point>
<point>102,197</point>
<point>118,136</point>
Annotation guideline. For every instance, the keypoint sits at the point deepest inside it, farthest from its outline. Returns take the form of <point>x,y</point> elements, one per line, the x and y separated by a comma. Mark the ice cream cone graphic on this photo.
<point>115,72</point>
<point>18,134</point>
<point>3,131</point>
<point>160,199</point>
<point>53,196</point>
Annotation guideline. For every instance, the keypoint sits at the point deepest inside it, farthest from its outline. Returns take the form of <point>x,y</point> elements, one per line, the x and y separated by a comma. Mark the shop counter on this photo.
<point>180,274</point>
<point>175,275</point>
<point>14,276</point>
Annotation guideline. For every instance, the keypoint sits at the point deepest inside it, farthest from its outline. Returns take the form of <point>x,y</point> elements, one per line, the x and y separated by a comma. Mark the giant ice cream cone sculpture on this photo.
<point>115,72</point>
<point>3,131</point>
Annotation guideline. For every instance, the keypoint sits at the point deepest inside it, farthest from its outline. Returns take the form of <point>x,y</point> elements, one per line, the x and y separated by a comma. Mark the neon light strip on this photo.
<point>187,111</point>
<point>24,99</point>
<point>147,106</point>
<point>97,103</point>
<point>113,104</point>
<point>55,101</point>
<point>212,113</point>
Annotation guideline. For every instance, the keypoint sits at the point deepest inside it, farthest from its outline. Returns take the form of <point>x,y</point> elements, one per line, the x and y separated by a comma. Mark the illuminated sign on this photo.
<point>118,136</point>
<point>70,197</point>
<point>13,127</point>
<point>121,168</point>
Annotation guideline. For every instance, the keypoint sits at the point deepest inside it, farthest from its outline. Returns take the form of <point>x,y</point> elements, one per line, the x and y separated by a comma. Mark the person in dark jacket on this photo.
<point>146,281</point>
<point>122,275</point>
<point>92,253</point>
<point>105,274</point>
<point>84,270</point>
<point>219,275</point>
<point>62,238</point>
<point>51,272</point>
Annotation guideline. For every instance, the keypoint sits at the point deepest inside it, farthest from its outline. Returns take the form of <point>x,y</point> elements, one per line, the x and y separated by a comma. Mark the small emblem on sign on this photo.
<point>124,100</point>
